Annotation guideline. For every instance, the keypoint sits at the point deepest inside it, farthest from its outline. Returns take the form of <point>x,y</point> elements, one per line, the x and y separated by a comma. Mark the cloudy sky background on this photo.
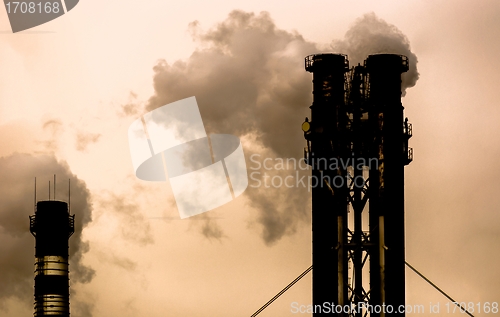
<point>69,90</point>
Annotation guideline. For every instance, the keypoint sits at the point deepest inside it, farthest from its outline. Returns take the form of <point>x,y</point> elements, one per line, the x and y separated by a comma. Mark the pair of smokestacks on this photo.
<point>357,116</point>
<point>52,226</point>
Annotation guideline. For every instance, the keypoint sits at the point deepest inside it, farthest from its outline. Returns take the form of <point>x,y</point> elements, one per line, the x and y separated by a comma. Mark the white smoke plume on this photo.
<point>18,245</point>
<point>249,80</point>
<point>372,35</point>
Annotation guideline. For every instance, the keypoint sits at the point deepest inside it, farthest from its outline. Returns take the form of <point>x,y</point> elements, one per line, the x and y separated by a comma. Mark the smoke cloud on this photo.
<point>52,128</point>
<point>372,35</point>
<point>83,140</point>
<point>134,226</point>
<point>208,227</point>
<point>249,80</point>
<point>17,248</point>
<point>248,77</point>
<point>129,108</point>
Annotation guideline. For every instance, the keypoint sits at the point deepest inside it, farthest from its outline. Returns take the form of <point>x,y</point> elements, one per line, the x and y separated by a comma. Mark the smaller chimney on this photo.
<point>52,226</point>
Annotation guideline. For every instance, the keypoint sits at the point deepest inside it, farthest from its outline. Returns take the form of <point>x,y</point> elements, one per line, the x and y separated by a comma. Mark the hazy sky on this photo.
<point>69,90</point>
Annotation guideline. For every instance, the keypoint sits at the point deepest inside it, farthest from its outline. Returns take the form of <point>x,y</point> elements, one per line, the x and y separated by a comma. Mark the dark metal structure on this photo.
<point>51,225</point>
<point>357,145</point>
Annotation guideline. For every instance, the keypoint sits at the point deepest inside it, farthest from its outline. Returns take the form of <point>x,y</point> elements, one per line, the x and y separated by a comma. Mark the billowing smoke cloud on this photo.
<point>372,35</point>
<point>249,80</point>
<point>17,248</point>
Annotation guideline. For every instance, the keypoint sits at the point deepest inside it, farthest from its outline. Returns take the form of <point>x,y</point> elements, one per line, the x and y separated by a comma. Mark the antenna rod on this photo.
<point>34,206</point>
<point>69,195</point>
<point>54,186</point>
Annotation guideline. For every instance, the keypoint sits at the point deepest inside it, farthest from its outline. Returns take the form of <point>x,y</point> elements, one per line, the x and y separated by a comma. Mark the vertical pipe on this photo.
<point>357,207</point>
<point>381,250</point>
<point>357,239</point>
<point>341,260</point>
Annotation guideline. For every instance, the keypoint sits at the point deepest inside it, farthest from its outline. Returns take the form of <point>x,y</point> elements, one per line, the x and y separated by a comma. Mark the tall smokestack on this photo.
<point>324,135</point>
<point>387,182</point>
<point>51,225</point>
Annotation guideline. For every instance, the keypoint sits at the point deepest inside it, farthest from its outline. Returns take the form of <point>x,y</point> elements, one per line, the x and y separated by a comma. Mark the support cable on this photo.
<point>310,268</point>
<point>282,291</point>
<point>441,291</point>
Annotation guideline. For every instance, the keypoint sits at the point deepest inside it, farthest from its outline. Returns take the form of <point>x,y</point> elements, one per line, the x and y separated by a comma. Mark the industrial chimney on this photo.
<point>51,225</point>
<point>357,146</point>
